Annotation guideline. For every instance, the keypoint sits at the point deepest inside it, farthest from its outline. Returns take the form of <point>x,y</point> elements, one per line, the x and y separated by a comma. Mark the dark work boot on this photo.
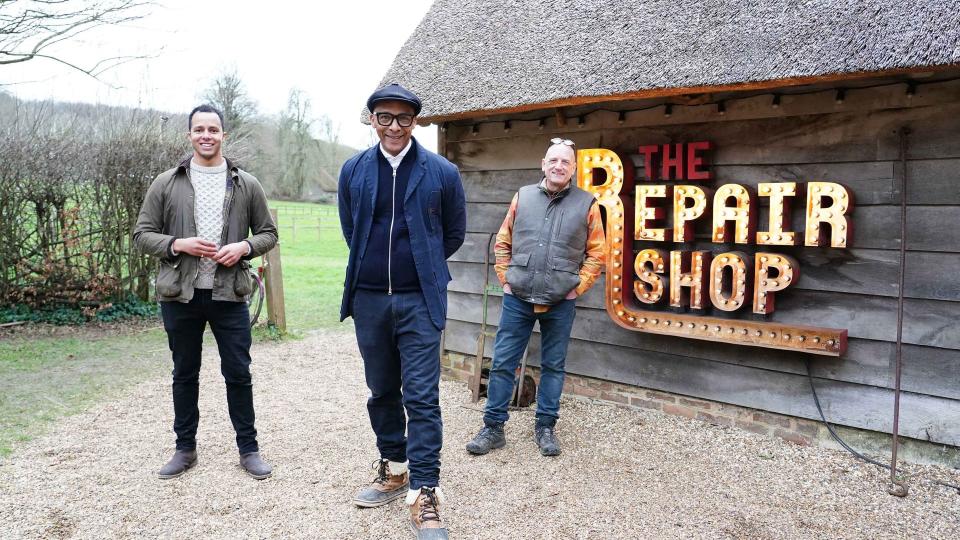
<point>546,440</point>
<point>490,437</point>
<point>255,465</point>
<point>180,463</point>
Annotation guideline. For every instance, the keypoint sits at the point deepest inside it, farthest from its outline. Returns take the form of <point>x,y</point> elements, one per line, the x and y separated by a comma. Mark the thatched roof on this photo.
<point>473,57</point>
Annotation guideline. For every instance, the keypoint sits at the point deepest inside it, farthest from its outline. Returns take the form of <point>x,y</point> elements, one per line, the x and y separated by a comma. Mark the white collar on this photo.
<point>395,160</point>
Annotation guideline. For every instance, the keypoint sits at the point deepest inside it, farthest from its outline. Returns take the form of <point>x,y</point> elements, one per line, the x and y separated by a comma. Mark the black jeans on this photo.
<point>230,322</point>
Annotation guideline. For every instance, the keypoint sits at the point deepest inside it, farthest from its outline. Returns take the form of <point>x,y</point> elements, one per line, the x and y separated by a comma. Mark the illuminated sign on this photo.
<point>649,289</point>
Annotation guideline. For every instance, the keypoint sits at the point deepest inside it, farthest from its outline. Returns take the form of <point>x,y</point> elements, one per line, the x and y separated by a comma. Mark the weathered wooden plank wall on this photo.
<point>808,138</point>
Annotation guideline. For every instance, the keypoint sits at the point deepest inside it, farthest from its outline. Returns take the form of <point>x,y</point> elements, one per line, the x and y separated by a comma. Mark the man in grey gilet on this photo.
<point>550,250</point>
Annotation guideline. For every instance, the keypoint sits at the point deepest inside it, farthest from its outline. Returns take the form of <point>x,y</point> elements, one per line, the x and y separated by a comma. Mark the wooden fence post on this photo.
<point>273,281</point>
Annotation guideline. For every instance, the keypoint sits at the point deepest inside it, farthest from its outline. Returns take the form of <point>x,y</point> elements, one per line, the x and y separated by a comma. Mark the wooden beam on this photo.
<point>654,93</point>
<point>15,323</point>
<point>561,116</point>
<point>273,281</point>
<point>442,140</point>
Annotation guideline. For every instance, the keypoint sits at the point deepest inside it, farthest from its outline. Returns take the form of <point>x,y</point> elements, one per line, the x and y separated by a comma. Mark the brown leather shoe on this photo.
<point>255,465</point>
<point>180,463</point>
<point>384,488</point>
<point>425,519</point>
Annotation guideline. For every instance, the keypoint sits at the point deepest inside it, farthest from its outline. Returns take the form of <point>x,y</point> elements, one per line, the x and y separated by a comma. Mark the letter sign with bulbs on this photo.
<point>674,291</point>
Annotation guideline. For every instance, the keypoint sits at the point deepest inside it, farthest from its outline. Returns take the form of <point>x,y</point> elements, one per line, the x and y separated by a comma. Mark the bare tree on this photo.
<point>295,142</point>
<point>30,29</point>
<point>228,93</point>
<point>329,131</point>
<point>328,147</point>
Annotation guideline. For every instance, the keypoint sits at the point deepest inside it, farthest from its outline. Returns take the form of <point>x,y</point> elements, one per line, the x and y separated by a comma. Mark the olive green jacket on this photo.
<point>168,213</point>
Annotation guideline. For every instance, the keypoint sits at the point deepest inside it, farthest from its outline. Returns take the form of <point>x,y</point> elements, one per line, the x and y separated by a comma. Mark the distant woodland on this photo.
<point>73,176</point>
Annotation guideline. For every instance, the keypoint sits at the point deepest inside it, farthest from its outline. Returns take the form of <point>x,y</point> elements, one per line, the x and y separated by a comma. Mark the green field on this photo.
<point>314,255</point>
<point>45,378</point>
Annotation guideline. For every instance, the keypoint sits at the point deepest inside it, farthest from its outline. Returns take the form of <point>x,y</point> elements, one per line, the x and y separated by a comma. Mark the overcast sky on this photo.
<point>336,52</point>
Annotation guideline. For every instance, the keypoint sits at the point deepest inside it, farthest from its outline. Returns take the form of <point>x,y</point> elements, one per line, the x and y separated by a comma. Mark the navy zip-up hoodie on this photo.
<point>373,267</point>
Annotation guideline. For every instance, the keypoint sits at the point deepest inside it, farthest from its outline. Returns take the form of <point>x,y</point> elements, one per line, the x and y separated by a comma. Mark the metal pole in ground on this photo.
<point>897,487</point>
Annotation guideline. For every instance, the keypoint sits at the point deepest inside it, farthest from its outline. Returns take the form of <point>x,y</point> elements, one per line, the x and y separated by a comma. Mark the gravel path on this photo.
<point>623,473</point>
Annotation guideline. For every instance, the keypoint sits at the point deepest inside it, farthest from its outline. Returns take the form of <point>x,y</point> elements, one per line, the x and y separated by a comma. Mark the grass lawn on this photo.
<point>314,257</point>
<point>45,377</point>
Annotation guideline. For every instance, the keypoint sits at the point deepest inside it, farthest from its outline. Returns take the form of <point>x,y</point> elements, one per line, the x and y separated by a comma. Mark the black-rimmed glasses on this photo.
<point>385,119</point>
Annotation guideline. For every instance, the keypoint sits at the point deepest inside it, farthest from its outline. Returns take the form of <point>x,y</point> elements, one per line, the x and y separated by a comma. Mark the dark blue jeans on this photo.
<point>401,360</point>
<point>513,333</point>
<point>230,322</point>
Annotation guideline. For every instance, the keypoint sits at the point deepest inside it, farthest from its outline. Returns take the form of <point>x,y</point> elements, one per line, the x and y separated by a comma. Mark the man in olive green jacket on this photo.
<point>197,218</point>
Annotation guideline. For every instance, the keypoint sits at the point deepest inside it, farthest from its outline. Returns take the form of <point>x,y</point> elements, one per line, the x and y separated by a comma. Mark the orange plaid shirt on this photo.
<point>592,263</point>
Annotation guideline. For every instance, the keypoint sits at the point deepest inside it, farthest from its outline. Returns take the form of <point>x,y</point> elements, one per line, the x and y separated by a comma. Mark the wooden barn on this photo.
<point>723,105</point>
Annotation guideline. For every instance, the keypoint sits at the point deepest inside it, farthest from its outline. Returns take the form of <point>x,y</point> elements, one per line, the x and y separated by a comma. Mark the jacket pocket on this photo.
<point>518,275</point>
<point>433,209</point>
<point>168,279</point>
<point>566,265</point>
<point>356,193</point>
<point>243,281</point>
<point>565,276</point>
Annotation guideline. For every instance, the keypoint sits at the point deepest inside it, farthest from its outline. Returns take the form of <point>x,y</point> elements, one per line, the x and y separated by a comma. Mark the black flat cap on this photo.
<point>394,92</point>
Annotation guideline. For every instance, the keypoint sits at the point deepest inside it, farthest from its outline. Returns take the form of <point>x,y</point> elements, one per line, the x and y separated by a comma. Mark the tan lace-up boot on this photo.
<point>391,483</point>
<point>425,513</point>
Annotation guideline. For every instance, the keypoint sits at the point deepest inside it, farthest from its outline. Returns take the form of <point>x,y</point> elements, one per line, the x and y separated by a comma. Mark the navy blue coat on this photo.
<point>434,210</point>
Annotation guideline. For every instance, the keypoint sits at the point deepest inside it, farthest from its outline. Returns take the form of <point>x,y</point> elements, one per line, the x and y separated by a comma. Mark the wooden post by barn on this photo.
<point>273,281</point>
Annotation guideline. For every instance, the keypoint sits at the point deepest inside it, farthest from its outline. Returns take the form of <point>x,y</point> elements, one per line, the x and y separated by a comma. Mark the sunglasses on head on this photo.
<point>558,140</point>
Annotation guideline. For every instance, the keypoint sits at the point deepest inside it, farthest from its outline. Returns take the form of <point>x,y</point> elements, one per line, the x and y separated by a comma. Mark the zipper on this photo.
<point>225,217</point>
<point>548,238</point>
<point>226,210</point>
<point>393,217</point>
<point>193,213</point>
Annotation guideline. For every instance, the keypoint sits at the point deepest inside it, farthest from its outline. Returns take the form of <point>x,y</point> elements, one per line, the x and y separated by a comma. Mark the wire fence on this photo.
<point>305,210</point>
<point>306,220</point>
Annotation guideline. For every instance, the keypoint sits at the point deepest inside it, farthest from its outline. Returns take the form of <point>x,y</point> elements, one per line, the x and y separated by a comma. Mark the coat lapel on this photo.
<point>371,182</point>
<point>416,175</point>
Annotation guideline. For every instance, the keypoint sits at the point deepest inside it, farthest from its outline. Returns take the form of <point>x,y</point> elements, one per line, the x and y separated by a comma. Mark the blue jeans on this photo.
<point>401,360</point>
<point>230,322</point>
<point>513,333</point>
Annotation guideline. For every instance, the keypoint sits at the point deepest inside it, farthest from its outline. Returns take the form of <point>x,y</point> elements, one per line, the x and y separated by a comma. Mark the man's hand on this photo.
<point>198,247</point>
<point>231,253</point>
<point>572,294</point>
<point>506,289</point>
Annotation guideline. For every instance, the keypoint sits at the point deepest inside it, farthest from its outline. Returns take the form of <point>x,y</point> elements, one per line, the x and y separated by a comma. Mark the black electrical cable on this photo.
<point>833,433</point>
<point>842,443</point>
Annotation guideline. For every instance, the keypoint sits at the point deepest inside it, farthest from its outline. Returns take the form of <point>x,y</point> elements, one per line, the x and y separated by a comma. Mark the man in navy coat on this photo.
<point>403,214</point>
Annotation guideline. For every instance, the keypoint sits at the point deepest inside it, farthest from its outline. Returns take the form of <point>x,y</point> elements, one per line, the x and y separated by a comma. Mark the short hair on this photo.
<point>207,108</point>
